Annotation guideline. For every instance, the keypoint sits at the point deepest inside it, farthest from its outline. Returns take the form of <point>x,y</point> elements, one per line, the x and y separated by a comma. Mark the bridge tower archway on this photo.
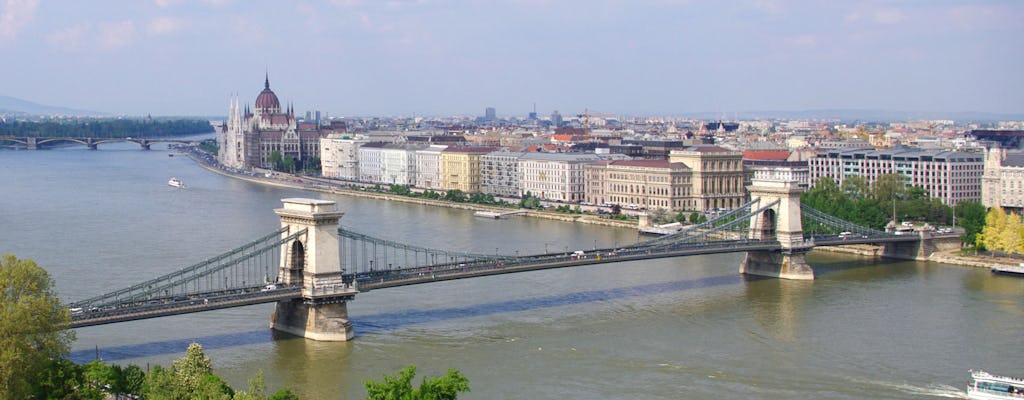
<point>781,222</point>
<point>313,262</point>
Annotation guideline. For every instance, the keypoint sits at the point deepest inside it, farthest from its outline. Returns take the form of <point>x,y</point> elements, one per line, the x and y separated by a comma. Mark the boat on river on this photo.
<point>175,182</point>
<point>1009,270</point>
<point>986,386</point>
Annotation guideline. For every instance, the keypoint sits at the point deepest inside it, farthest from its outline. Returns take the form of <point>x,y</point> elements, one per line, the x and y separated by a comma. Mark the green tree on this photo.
<point>890,187</point>
<point>160,384</point>
<point>59,380</point>
<point>132,378</point>
<point>192,368</point>
<point>529,201</point>
<point>211,387</point>
<point>399,387</point>
<point>856,187</point>
<point>970,215</point>
<point>96,376</point>
<point>33,326</point>
<point>455,195</point>
<point>277,160</point>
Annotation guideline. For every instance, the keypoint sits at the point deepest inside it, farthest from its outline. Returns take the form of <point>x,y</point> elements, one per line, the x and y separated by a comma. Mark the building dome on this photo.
<point>267,101</point>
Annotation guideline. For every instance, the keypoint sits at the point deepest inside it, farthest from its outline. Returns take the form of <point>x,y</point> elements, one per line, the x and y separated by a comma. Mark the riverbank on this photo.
<point>329,186</point>
<point>334,187</point>
<point>945,257</point>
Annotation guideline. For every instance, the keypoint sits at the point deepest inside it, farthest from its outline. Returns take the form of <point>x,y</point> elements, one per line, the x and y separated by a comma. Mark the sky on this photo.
<point>452,57</point>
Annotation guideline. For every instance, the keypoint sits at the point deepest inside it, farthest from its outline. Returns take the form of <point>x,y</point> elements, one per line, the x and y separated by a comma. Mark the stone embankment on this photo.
<point>326,186</point>
<point>945,257</point>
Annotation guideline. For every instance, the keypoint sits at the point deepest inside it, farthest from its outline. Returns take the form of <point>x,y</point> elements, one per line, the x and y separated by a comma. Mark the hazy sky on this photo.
<point>446,57</point>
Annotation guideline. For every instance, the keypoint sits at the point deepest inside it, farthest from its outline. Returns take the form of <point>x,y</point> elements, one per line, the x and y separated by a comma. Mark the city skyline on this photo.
<point>350,57</point>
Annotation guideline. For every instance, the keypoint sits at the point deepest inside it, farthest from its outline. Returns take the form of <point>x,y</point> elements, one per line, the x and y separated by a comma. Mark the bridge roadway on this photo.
<point>374,280</point>
<point>33,143</point>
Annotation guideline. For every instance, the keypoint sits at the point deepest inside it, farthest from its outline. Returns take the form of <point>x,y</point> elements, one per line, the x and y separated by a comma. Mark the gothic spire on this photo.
<point>266,82</point>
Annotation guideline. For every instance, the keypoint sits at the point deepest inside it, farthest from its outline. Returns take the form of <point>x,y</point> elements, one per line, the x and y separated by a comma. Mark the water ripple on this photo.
<point>375,323</point>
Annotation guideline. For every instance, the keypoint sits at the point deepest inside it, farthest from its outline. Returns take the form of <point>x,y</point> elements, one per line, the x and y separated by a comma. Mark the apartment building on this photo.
<point>499,173</point>
<point>398,163</point>
<point>460,168</point>
<point>948,176</point>
<point>428,167</point>
<point>554,176</point>
<point>339,156</point>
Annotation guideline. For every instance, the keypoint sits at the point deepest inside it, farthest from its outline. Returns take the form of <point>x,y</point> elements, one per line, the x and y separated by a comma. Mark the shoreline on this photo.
<point>321,186</point>
<point>944,257</point>
<point>949,257</point>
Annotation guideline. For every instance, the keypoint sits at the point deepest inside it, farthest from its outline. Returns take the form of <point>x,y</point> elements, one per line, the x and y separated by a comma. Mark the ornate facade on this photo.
<point>251,137</point>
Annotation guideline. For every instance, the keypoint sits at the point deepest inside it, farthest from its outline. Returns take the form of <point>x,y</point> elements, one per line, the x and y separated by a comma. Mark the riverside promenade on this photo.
<point>346,188</point>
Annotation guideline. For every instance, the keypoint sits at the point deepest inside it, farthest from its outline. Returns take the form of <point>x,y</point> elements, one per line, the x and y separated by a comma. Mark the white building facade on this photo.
<point>1003,180</point>
<point>339,156</point>
<point>428,167</point>
<point>554,176</point>
<point>398,164</point>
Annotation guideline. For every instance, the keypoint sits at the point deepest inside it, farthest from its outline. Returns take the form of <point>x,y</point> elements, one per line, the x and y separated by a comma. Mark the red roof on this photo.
<point>766,155</point>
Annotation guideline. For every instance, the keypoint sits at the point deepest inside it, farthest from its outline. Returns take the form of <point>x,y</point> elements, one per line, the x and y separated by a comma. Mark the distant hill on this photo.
<point>863,115</point>
<point>15,106</point>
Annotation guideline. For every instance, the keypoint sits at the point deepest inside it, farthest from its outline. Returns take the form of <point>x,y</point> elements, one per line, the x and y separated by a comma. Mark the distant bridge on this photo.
<point>311,267</point>
<point>36,143</point>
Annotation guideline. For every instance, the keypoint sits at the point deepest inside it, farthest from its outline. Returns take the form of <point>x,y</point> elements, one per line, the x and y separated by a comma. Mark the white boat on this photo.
<point>984,385</point>
<point>176,183</point>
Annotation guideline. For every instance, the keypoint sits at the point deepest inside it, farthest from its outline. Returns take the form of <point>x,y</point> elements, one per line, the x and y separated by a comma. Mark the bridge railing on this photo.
<point>244,266</point>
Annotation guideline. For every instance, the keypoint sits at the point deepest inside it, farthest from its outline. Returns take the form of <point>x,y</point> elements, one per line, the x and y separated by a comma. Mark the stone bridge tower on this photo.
<point>313,261</point>
<point>780,222</point>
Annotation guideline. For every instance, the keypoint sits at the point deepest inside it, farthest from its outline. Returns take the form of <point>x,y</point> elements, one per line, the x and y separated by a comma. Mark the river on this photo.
<point>666,329</point>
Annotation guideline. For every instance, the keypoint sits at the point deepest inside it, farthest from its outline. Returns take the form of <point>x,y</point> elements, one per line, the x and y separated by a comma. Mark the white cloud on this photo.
<point>114,35</point>
<point>803,41</point>
<point>164,3</point>
<point>164,25</point>
<point>14,15</point>
<point>888,16</point>
<point>70,37</point>
<point>770,7</point>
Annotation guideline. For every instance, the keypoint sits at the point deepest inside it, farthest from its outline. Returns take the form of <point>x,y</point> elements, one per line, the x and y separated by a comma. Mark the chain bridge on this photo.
<point>312,267</point>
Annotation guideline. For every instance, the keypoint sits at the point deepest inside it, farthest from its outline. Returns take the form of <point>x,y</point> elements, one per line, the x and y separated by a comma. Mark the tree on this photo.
<point>970,215</point>
<point>33,326</point>
<point>455,195</point>
<point>399,387</point>
<point>991,237</point>
<point>192,368</point>
<point>277,160</point>
<point>856,187</point>
<point>890,187</point>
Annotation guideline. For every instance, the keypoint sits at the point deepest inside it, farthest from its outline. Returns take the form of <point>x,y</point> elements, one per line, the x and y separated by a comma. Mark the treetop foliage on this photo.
<point>32,326</point>
<point>399,386</point>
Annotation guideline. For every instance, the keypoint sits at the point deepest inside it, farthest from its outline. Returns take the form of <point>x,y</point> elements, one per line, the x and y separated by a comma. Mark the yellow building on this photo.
<point>460,168</point>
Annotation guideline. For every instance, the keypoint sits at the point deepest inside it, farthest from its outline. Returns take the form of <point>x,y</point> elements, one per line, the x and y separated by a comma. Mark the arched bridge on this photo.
<point>312,266</point>
<point>36,143</point>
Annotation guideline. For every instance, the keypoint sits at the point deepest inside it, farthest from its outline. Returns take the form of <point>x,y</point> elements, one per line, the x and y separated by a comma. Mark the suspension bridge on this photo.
<point>312,267</point>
